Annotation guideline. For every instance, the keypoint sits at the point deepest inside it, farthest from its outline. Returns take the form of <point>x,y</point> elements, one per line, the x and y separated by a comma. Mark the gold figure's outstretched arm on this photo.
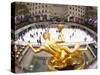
<point>35,50</point>
<point>82,49</point>
<point>77,47</point>
<point>59,41</point>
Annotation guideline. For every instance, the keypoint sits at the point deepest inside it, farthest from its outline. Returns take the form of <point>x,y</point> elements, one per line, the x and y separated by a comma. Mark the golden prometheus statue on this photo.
<point>62,57</point>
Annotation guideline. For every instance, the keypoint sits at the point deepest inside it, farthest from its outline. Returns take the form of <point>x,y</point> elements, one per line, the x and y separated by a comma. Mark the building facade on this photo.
<point>43,12</point>
<point>75,13</point>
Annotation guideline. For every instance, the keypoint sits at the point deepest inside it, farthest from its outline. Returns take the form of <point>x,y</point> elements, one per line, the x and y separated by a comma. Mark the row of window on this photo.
<point>39,12</point>
<point>40,6</point>
<point>77,9</point>
<point>82,12</point>
<point>75,13</point>
<point>35,8</point>
<point>69,12</point>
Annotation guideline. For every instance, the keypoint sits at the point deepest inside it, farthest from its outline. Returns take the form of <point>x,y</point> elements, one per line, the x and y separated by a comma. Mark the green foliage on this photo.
<point>63,18</point>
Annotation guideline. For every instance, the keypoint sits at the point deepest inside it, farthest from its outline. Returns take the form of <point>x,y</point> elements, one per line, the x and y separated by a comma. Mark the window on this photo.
<point>35,12</point>
<point>79,7</point>
<point>27,3</point>
<point>83,9</point>
<point>78,14</point>
<point>42,6</point>
<point>45,10</point>
<point>45,5</point>
<point>42,11</point>
<point>30,8</point>
<point>35,7</point>
<point>78,10</point>
<point>39,11</point>
<point>39,7</point>
<point>73,13</point>
<point>70,12</point>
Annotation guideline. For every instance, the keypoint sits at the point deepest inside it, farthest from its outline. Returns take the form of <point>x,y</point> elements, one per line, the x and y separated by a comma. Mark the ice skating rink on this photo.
<point>69,34</point>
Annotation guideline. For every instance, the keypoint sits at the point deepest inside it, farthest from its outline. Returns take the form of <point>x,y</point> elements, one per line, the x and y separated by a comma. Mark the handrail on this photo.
<point>38,44</point>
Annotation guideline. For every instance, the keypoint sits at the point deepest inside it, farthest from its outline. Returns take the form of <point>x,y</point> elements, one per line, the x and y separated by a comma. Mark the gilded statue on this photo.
<point>62,55</point>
